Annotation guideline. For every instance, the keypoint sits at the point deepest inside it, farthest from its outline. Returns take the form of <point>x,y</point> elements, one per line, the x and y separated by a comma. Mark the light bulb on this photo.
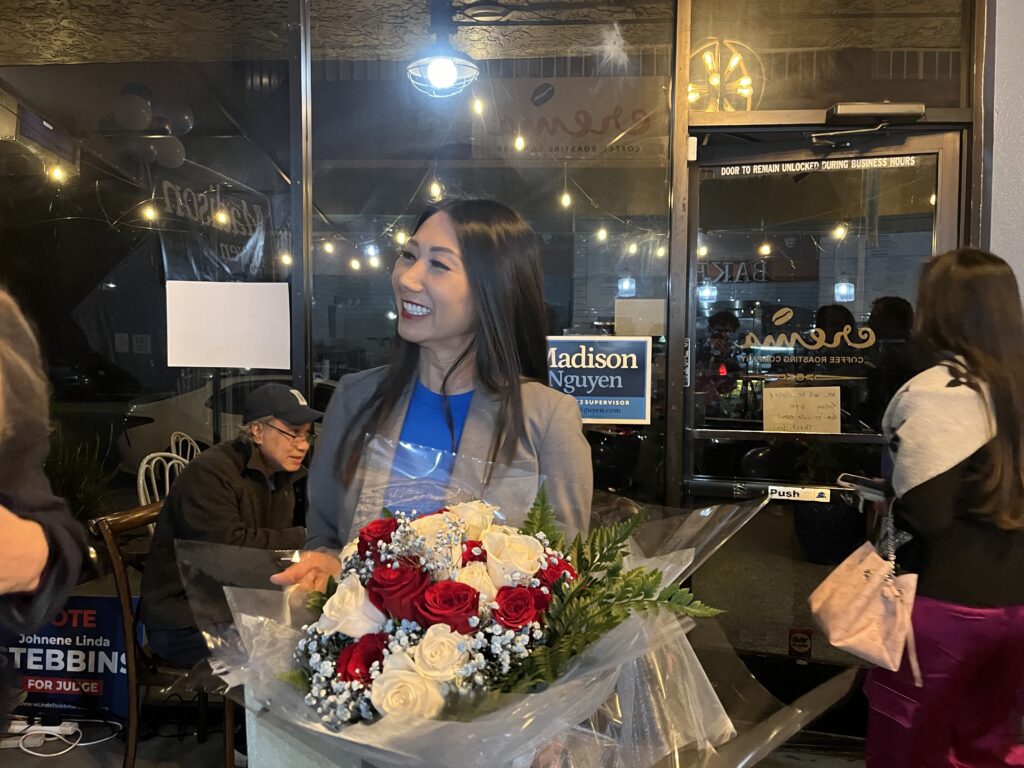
<point>478,106</point>
<point>149,212</point>
<point>709,61</point>
<point>401,236</point>
<point>392,316</point>
<point>328,247</point>
<point>374,262</point>
<point>745,92</point>
<point>371,249</point>
<point>660,253</point>
<point>707,293</point>
<point>520,143</point>
<point>221,217</point>
<point>692,96</point>
<point>714,79</point>
<point>840,231</point>
<point>436,190</point>
<point>633,248</point>
<point>441,73</point>
<point>355,265</point>
<point>56,173</point>
<point>844,291</point>
<point>627,287</point>
<point>734,61</point>
<point>765,249</point>
<point>286,259</point>
<point>565,200</point>
<point>932,199</point>
<point>702,251</point>
<point>602,234</point>
<point>746,81</point>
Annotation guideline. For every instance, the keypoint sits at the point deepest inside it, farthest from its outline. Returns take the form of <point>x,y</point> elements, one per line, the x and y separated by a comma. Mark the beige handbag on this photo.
<point>864,608</point>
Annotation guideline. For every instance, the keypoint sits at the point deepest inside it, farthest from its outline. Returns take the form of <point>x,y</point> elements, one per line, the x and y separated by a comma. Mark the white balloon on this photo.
<point>133,112</point>
<point>170,152</point>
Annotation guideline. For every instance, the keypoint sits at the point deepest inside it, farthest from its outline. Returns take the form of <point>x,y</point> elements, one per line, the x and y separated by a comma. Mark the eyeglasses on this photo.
<point>309,437</point>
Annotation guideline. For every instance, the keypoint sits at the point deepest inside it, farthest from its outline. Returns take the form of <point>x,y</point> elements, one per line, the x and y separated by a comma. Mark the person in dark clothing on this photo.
<point>238,493</point>
<point>41,545</point>
<point>957,437</point>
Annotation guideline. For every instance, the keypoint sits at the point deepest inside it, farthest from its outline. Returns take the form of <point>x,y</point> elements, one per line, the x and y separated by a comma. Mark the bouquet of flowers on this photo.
<point>432,616</point>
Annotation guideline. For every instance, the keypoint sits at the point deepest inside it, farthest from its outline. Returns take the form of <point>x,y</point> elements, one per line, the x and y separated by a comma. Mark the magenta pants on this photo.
<point>970,710</point>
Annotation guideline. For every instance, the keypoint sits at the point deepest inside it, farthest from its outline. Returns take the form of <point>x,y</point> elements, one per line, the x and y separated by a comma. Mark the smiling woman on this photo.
<point>468,379</point>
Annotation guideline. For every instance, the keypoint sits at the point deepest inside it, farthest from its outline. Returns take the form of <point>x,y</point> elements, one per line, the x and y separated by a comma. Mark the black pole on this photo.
<point>216,405</point>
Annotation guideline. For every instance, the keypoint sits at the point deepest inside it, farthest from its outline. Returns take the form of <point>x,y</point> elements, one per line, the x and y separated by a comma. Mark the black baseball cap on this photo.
<point>281,401</point>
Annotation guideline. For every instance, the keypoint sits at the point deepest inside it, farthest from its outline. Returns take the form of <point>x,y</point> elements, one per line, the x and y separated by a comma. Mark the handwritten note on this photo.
<point>801,409</point>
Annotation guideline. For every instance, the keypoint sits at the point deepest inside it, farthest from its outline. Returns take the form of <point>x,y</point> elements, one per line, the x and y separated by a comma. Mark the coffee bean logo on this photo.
<point>542,94</point>
<point>783,316</point>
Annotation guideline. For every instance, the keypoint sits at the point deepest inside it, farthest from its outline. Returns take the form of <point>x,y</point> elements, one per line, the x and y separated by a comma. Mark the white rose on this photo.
<point>475,574</point>
<point>430,526</point>
<point>350,549</point>
<point>508,554</point>
<point>400,690</point>
<point>477,516</point>
<point>350,611</point>
<point>440,653</point>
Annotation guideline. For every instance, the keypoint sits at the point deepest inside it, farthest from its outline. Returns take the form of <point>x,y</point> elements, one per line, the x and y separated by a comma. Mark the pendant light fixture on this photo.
<point>441,70</point>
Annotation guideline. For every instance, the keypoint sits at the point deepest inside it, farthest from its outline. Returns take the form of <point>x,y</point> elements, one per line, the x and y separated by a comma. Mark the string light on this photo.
<point>633,249</point>
<point>840,231</point>
<point>149,212</point>
<point>56,173</point>
<point>932,199</point>
<point>401,237</point>
<point>328,247</point>
<point>392,315</point>
<point>602,234</point>
<point>221,217</point>
<point>660,253</point>
<point>765,249</point>
<point>374,262</point>
<point>702,251</point>
<point>355,265</point>
<point>286,259</point>
<point>519,143</point>
<point>371,249</point>
<point>565,199</point>
<point>436,191</point>
<point>478,106</point>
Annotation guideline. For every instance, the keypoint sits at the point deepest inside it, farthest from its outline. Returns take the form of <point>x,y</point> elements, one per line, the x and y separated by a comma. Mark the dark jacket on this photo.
<point>222,497</point>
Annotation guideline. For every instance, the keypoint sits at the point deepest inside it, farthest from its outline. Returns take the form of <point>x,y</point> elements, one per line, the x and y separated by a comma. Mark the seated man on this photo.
<point>238,493</point>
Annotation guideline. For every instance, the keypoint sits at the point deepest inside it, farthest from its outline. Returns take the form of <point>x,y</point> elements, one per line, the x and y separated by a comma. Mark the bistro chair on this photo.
<point>184,446</point>
<point>156,473</point>
<point>142,668</point>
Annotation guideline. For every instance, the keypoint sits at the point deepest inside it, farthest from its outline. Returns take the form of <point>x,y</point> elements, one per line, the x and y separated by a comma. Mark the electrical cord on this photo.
<point>76,740</point>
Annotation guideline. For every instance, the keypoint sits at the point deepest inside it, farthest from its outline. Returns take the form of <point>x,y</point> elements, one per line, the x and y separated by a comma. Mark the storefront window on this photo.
<point>136,152</point>
<point>568,123</point>
<point>780,54</point>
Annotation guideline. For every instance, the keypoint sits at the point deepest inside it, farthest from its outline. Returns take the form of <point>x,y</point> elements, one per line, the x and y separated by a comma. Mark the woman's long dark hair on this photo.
<point>968,304</point>
<point>502,261</point>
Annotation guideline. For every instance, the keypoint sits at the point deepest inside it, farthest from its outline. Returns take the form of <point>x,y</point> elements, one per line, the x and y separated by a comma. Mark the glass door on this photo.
<point>803,270</point>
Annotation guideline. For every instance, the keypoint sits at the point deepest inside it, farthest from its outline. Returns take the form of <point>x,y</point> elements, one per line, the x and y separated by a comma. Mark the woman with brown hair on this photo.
<point>957,435</point>
<point>41,546</point>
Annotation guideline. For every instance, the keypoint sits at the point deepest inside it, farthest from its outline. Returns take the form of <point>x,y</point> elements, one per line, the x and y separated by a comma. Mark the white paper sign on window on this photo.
<point>228,325</point>
<point>802,409</point>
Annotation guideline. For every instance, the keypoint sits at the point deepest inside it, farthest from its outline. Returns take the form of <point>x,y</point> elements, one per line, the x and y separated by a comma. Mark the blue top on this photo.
<point>425,454</point>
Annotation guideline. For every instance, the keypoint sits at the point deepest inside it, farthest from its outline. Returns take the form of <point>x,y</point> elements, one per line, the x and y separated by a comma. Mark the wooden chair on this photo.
<point>156,473</point>
<point>184,446</point>
<point>141,667</point>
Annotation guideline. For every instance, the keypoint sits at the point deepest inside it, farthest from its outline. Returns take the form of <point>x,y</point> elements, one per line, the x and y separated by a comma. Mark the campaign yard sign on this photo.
<point>610,376</point>
<point>75,665</point>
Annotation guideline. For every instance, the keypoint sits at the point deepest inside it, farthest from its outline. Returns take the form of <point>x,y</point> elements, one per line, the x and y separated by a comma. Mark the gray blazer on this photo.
<point>553,449</point>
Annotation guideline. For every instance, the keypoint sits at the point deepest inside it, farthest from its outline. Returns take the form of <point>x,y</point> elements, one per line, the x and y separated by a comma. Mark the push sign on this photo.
<point>792,493</point>
<point>610,376</point>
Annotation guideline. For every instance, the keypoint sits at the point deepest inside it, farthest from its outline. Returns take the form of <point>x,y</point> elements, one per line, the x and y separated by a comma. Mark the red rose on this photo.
<point>469,556</point>
<point>354,660</point>
<point>552,573</point>
<point>516,607</point>
<point>370,534</point>
<point>452,603</point>
<point>541,599</point>
<point>398,591</point>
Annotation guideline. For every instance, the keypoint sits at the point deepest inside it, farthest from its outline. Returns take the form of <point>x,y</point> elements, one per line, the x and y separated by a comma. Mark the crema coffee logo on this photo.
<point>814,340</point>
